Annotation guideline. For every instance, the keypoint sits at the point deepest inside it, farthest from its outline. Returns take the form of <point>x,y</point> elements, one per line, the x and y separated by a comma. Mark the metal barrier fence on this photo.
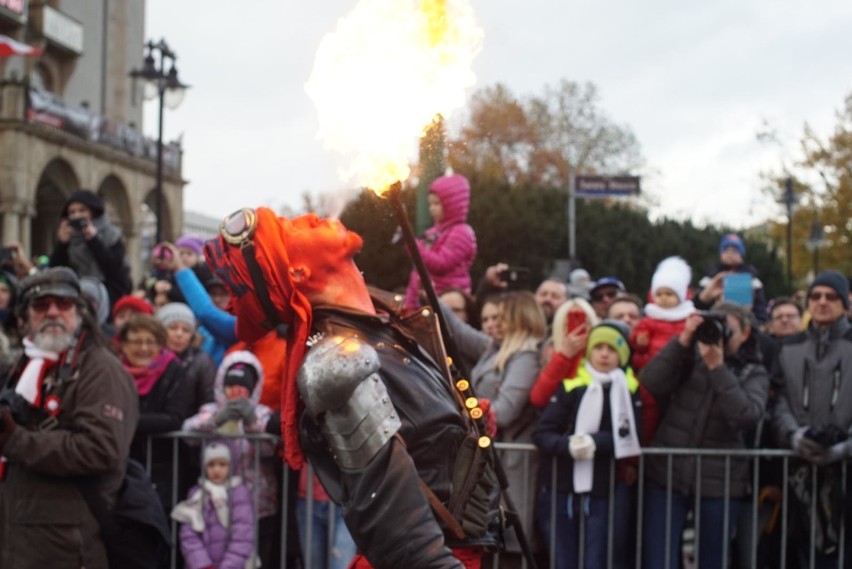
<point>765,531</point>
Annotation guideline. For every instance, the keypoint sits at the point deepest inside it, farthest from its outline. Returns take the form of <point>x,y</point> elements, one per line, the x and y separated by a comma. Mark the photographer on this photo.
<point>813,411</point>
<point>67,413</point>
<point>91,245</point>
<point>712,388</point>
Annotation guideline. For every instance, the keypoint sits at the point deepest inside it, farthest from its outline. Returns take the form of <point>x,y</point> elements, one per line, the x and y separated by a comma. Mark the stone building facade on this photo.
<point>68,120</point>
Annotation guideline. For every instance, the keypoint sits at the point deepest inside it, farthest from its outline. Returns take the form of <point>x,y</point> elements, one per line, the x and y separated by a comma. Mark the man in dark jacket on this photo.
<point>68,415</point>
<point>382,426</point>
<point>91,245</point>
<point>813,410</point>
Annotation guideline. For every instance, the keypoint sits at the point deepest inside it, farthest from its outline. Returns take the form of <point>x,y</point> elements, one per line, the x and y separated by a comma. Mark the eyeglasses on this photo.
<point>603,295</point>
<point>44,304</point>
<point>829,296</point>
<point>238,227</point>
<point>791,316</point>
<point>140,342</point>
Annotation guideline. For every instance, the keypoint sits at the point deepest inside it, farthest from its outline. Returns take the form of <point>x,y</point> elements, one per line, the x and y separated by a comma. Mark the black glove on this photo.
<point>7,427</point>
<point>805,447</point>
<point>273,424</point>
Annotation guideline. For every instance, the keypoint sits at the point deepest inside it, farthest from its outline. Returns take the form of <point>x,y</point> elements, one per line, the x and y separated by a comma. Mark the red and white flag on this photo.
<point>10,47</point>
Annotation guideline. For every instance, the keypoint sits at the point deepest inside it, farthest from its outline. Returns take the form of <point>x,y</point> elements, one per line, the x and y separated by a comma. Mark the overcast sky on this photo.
<point>694,82</point>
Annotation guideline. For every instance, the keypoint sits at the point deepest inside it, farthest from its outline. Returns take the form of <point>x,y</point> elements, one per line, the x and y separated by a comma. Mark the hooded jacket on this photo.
<point>205,421</point>
<point>448,248</point>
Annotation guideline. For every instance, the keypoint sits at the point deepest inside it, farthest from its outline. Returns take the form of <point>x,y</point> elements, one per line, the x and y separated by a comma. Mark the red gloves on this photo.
<point>489,417</point>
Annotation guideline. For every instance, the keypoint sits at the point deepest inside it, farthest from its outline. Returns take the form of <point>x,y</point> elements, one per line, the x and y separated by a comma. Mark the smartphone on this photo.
<point>738,289</point>
<point>514,274</point>
<point>575,318</point>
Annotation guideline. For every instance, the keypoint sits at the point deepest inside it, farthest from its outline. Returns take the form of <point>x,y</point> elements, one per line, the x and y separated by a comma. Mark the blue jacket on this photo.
<point>220,327</point>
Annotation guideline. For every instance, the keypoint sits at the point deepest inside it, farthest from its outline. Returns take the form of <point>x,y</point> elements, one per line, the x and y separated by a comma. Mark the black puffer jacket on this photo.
<point>704,409</point>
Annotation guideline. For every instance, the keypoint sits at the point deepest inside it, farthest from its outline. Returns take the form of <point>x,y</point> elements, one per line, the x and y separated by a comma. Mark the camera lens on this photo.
<point>710,331</point>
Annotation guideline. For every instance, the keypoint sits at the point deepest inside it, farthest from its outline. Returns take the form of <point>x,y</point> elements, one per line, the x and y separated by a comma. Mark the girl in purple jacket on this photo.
<point>448,247</point>
<point>217,519</point>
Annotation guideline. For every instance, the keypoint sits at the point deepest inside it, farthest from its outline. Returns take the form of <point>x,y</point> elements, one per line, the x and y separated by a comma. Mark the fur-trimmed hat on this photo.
<point>89,199</point>
<point>613,333</point>
<point>672,273</point>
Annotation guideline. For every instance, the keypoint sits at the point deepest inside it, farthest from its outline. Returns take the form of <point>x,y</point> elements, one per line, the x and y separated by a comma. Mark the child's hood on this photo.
<point>239,356</point>
<point>454,193</point>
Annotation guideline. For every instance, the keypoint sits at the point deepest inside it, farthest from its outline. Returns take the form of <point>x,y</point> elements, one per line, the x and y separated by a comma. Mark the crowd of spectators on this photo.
<point>582,368</point>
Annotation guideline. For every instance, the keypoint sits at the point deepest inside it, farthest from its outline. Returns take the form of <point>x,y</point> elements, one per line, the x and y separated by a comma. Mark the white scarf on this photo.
<point>673,314</point>
<point>30,383</point>
<point>191,510</point>
<point>589,421</point>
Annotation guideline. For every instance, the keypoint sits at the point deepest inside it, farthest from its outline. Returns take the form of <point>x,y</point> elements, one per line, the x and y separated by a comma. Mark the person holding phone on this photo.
<point>732,252</point>
<point>91,245</point>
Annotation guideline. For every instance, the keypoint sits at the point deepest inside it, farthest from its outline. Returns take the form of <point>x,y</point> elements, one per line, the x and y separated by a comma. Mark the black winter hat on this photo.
<point>833,280</point>
<point>89,199</point>
<point>241,374</point>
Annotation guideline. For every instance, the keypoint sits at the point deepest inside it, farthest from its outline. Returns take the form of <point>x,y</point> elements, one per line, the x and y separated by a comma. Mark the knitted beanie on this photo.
<point>216,450</point>
<point>176,312</point>
<point>672,273</point>
<point>134,303</point>
<point>732,240</point>
<point>833,280</point>
<point>194,243</point>
<point>242,374</point>
<point>612,333</point>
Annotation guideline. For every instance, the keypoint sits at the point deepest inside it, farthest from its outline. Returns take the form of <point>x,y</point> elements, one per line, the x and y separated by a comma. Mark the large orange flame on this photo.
<point>383,75</point>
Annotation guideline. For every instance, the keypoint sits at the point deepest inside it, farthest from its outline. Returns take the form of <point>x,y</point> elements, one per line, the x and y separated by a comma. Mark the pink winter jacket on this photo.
<point>448,247</point>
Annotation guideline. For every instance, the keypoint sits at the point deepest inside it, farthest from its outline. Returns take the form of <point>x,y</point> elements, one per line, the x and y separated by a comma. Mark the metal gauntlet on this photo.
<point>345,395</point>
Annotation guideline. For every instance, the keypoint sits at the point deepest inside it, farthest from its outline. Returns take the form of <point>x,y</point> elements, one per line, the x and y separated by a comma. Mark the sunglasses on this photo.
<point>829,296</point>
<point>44,304</point>
<point>604,295</point>
<point>238,227</point>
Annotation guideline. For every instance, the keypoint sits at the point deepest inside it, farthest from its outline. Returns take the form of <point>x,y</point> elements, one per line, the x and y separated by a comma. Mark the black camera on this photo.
<point>18,407</point>
<point>514,275</point>
<point>826,435</point>
<point>78,223</point>
<point>7,254</point>
<point>713,328</point>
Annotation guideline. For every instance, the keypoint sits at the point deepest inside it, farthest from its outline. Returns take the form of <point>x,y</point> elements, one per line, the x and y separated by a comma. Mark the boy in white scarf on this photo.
<point>592,420</point>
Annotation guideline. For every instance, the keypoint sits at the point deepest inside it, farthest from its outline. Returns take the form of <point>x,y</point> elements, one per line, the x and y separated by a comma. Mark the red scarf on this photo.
<point>146,377</point>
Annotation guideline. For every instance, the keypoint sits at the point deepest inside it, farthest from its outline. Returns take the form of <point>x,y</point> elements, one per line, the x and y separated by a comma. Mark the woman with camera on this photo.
<point>91,245</point>
<point>713,388</point>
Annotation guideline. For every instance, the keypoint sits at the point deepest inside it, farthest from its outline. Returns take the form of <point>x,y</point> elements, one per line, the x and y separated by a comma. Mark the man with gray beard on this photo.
<point>68,411</point>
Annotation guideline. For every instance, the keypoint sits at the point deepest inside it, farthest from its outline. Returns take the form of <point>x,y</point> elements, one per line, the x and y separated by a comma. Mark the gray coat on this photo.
<point>509,393</point>
<point>707,409</point>
<point>813,379</point>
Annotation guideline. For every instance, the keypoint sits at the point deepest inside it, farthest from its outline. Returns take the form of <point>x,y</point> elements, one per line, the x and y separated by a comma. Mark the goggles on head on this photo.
<point>239,227</point>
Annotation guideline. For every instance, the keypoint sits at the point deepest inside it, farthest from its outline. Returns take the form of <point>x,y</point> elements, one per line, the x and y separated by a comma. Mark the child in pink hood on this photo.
<point>449,246</point>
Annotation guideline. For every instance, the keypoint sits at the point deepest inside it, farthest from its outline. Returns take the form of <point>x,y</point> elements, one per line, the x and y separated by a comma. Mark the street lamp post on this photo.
<point>790,202</point>
<point>816,241</point>
<point>167,88</point>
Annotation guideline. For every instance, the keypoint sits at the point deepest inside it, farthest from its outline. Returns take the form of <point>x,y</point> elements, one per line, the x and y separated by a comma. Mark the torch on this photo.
<point>462,384</point>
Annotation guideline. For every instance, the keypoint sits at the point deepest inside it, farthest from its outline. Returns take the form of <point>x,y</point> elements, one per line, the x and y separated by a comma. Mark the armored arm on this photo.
<point>388,515</point>
<point>344,394</point>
